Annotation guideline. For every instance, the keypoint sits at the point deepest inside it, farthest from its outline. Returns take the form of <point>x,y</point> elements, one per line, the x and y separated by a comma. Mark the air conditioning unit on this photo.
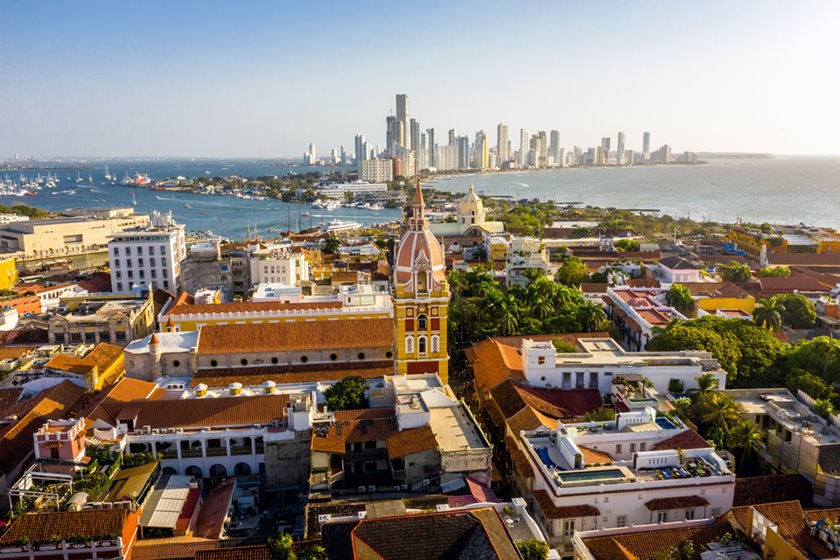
<point>371,488</point>
<point>396,487</point>
<point>362,489</point>
<point>324,517</point>
<point>404,487</point>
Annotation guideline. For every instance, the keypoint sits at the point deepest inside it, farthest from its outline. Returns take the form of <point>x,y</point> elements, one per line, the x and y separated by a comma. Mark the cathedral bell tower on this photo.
<point>420,296</point>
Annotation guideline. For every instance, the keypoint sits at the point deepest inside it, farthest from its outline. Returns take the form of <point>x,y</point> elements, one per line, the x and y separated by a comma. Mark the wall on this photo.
<point>288,462</point>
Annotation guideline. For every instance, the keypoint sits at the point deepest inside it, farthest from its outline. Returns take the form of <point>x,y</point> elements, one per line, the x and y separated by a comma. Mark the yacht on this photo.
<point>339,225</point>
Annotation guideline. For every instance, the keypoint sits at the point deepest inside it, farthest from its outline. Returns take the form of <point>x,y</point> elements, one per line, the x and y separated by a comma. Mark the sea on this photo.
<point>778,190</point>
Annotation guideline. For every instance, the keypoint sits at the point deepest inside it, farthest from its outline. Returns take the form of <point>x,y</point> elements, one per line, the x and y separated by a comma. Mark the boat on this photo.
<point>339,225</point>
<point>187,205</point>
<point>306,213</point>
<point>133,198</point>
<point>108,175</point>
<point>90,179</point>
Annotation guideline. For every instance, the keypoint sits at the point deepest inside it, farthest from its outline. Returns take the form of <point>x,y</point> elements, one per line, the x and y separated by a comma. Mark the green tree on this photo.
<point>706,383</point>
<point>601,414</point>
<point>823,407</point>
<point>282,547</point>
<point>628,245</point>
<point>778,272</point>
<point>735,272</point>
<point>591,316</point>
<point>719,413</point>
<point>313,552</point>
<point>679,298</point>
<point>768,314</point>
<point>564,347</point>
<point>684,336</point>
<point>348,393</point>
<point>745,436</point>
<point>820,356</point>
<point>573,272</point>
<point>331,245</point>
<point>796,311</point>
<point>533,549</point>
<point>810,384</point>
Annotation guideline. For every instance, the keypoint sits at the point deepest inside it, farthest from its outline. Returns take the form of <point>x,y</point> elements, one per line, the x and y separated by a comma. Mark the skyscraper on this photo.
<point>310,157</point>
<point>430,133</point>
<point>605,143</point>
<point>524,147</point>
<point>502,144</point>
<point>645,146</point>
<point>402,117</point>
<point>619,149</point>
<point>453,136</point>
<point>414,135</point>
<point>463,152</point>
<point>482,150</point>
<point>554,147</point>
<point>360,153</point>
<point>391,134</point>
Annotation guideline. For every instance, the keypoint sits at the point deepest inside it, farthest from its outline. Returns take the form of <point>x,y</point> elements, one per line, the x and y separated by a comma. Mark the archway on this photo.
<point>242,469</point>
<point>195,471</point>
<point>171,470</point>
<point>218,471</point>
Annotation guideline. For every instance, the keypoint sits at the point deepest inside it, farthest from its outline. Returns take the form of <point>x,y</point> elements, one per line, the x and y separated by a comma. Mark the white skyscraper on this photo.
<point>502,144</point>
<point>646,146</point>
<point>619,149</point>
<point>524,147</point>
<point>310,157</point>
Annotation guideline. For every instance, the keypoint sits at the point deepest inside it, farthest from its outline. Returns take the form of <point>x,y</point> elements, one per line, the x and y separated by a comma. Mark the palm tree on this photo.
<point>721,412</point>
<point>705,383</point>
<point>747,437</point>
<point>768,314</point>
<point>679,298</point>
<point>590,315</point>
<point>507,314</point>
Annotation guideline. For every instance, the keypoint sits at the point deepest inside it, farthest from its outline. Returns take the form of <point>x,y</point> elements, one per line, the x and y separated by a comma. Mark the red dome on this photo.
<point>418,249</point>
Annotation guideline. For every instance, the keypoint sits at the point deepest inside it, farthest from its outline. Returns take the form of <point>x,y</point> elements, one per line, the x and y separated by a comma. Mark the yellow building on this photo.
<point>8,273</point>
<point>102,366</point>
<point>727,296</point>
<point>420,296</point>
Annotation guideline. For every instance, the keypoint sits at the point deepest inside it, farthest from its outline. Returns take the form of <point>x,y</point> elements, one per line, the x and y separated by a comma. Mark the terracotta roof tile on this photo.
<point>519,459</point>
<point>411,441</point>
<point>182,308</point>
<point>40,527</point>
<point>70,364</point>
<point>773,488</point>
<point>478,533</point>
<point>8,399</point>
<point>256,552</point>
<point>647,544</point>
<point>513,396</point>
<point>218,377</point>
<point>688,439</point>
<point>218,413</point>
<point>552,511</point>
<point>676,502</point>
<point>15,352</point>
<point>355,426</point>
<point>305,335</point>
<point>50,404</point>
<point>104,355</point>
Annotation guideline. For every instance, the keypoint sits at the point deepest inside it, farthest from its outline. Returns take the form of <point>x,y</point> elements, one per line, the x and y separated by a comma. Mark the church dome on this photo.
<point>419,262</point>
<point>471,208</point>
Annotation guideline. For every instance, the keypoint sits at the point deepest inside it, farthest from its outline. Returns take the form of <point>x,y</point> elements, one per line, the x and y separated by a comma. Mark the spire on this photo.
<point>418,194</point>
<point>154,340</point>
<point>418,214</point>
<point>472,188</point>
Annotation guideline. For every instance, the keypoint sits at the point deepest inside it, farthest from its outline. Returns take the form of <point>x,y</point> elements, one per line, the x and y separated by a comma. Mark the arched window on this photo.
<point>421,344</point>
<point>409,344</point>
<point>435,343</point>
<point>421,323</point>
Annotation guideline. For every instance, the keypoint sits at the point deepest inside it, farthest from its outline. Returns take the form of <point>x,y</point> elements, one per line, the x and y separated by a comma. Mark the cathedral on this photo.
<point>420,298</point>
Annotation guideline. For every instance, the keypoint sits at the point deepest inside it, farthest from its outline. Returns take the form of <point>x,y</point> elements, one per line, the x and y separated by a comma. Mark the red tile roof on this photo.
<point>552,511</point>
<point>676,502</point>
<point>649,544</point>
<point>183,308</point>
<point>411,441</point>
<point>296,336</point>
<point>41,527</point>
<point>355,426</point>
<point>688,439</point>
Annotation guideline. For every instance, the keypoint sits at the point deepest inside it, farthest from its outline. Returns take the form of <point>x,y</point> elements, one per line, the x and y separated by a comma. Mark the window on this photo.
<point>389,354</point>
<point>243,361</point>
<point>116,251</point>
<point>274,360</point>
<point>333,357</point>
<point>304,359</point>
<point>642,446</point>
<point>568,527</point>
<point>409,344</point>
<point>689,514</point>
<point>621,521</point>
<point>421,323</point>
<point>54,453</point>
<point>618,449</point>
<point>140,250</point>
<point>632,448</point>
<point>662,517</point>
<point>176,363</point>
<point>435,343</point>
<point>162,250</point>
<point>421,344</point>
<point>213,363</point>
<point>361,355</point>
<point>541,360</point>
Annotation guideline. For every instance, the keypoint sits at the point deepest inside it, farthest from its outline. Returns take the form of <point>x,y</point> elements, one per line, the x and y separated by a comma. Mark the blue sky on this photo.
<point>191,78</point>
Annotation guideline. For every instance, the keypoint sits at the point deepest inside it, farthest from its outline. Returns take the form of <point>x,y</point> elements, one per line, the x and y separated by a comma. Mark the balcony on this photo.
<point>216,451</point>
<point>240,450</point>
<point>191,453</point>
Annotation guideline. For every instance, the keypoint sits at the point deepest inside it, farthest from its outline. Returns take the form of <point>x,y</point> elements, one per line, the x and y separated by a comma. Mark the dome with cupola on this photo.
<point>471,208</point>
<point>419,264</point>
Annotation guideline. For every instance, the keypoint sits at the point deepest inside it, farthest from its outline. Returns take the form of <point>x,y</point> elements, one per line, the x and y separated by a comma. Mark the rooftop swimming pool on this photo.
<point>665,423</point>
<point>590,476</point>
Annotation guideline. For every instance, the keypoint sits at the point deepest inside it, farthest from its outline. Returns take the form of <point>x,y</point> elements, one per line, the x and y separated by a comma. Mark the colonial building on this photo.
<point>420,298</point>
<point>470,225</point>
<point>114,318</point>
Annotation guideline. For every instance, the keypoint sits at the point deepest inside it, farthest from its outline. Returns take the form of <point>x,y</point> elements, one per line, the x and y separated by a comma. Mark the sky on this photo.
<point>264,79</point>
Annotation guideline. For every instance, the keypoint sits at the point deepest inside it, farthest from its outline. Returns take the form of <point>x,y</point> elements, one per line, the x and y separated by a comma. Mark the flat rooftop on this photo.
<point>454,430</point>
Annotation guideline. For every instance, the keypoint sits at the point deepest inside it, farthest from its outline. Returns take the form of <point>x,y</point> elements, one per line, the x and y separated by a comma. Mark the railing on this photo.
<point>216,451</point>
<point>240,450</point>
<point>191,453</point>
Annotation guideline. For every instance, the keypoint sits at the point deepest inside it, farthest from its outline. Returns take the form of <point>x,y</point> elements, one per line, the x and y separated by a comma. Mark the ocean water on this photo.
<point>784,190</point>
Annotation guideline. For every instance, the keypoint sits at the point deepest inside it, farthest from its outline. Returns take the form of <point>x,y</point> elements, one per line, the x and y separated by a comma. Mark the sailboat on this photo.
<point>133,198</point>
<point>78,177</point>
<point>108,176</point>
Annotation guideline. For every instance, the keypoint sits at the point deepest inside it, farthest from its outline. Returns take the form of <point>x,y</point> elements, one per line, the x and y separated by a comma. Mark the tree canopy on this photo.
<point>735,272</point>
<point>796,311</point>
<point>348,393</point>
<point>573,272</point>
<point>679,298</point>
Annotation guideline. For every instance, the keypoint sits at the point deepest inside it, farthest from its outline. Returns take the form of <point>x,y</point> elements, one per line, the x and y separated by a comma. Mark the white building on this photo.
<point>677,270</point>
<point>376,170</point>
<point>522,254</point>
<point>148,256</point>
<point>338,190</point>
<point>603,359</point>
<point>278,266</point>
<point>635,470</point>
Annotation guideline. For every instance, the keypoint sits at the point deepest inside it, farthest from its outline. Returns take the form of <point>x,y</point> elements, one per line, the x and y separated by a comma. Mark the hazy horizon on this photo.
<point>262,80</point>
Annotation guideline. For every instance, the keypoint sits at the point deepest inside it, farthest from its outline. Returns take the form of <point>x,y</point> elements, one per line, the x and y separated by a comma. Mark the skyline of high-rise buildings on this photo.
<point>412,149</point>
